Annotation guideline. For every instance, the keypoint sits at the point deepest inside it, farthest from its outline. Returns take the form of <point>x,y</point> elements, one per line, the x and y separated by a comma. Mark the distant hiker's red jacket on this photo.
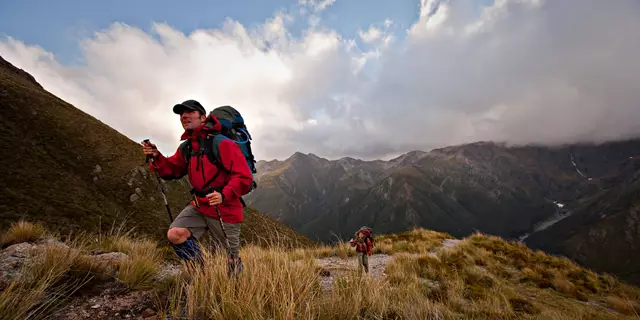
<point>233,184</point>
<point>363,246</point>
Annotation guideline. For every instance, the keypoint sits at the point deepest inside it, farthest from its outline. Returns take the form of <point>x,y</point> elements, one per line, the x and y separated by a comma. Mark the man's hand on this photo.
<point>149,148</point>
<point>215,198</point>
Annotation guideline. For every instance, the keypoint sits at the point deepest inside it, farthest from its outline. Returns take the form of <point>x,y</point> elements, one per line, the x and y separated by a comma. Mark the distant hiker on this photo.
<point>363,241</point>
<point>217,185</point>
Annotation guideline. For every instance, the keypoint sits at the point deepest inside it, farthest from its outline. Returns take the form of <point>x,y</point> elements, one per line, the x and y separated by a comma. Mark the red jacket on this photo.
<point>363,246</point>
<point>233,184</point>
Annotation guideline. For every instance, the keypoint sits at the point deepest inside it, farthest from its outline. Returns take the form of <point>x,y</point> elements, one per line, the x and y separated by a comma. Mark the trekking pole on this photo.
<point>231,264</point>
<point>164,195</point>
<point>223,231</point>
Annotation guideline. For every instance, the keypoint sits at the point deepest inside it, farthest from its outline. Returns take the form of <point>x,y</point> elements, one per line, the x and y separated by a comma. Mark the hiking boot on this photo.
<point>234,267</point>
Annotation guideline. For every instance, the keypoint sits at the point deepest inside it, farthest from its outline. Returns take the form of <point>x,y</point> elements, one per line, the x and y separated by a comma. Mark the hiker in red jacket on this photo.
<point>363,243</point>
<point>212,188</point>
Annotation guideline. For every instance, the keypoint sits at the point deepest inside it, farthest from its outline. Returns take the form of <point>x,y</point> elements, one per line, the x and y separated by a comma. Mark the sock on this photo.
<point>188,250</point>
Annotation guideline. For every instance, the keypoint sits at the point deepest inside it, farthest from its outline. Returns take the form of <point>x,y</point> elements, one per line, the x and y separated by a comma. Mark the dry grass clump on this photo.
<point>516,262</point>
<point>143,256</point>
<point>455,283</point>
<point>624,305</point>
<point>341,249</point>
<point>141,266</point>
<point>413,241</point>
<point>22,231</point>
<point>272,286</point>
<point>534,271</point>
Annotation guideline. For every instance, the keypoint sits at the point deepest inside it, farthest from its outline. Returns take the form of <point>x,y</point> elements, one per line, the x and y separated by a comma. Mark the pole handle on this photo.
<point>148,158</point>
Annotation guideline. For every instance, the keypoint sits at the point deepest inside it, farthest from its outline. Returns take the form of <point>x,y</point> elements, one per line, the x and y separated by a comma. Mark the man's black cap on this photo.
<point>189,104</point>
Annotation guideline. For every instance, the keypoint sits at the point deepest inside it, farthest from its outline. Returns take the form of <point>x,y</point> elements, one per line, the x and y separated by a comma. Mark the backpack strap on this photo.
<point>185,150</point>
<point>212,150</point>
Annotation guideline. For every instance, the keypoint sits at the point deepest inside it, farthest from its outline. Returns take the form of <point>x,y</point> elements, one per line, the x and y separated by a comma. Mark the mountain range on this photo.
<point>579,200</point>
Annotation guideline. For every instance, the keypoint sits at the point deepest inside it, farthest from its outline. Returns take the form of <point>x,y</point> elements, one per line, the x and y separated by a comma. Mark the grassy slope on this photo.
<point>483,277</point>
<point>51,151</point>
<point>602,233</point>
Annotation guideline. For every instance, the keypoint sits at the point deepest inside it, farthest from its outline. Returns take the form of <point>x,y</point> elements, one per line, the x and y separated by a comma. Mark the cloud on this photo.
<point>519,71</point>
<point>526,71</point>
<point>317,5</point>
<point>370,35</point>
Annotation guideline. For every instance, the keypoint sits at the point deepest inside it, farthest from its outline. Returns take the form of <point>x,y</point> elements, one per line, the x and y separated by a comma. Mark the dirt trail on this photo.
<point>337,266</point>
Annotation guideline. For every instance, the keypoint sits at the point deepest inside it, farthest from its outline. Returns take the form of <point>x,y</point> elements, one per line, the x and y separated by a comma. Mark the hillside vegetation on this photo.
<point>480,277</point>
<point>74,174</point>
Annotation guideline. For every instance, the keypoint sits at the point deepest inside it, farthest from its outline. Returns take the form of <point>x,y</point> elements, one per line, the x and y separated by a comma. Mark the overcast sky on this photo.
<point>323,77</point>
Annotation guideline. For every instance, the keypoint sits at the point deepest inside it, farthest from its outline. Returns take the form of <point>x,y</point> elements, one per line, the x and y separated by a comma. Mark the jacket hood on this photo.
<point>211,124</point>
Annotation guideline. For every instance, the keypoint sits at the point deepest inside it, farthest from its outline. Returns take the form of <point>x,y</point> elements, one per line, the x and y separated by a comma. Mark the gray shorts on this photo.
<point>198,223</point>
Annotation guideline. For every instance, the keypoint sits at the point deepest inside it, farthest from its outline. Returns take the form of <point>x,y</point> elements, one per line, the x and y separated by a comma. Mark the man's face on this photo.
<point>191,119</point>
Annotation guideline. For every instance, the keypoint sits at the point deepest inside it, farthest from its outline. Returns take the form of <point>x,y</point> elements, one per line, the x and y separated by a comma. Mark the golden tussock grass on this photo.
<point>143,255</point>
<point>51,273</point>
<point>55,270</point>
<point>138,270</point>
<point>275,285</point>
<point>272,286</point>
<point>413,241</point>
<point>22,231</point>
<point>481,277</point>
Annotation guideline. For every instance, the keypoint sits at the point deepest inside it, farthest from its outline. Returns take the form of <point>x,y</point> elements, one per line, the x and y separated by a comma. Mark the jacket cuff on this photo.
<point>226,193</point>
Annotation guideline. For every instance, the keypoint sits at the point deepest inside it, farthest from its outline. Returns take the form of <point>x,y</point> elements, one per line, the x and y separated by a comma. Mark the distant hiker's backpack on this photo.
<point>233,128</point>
<point>368,234</point>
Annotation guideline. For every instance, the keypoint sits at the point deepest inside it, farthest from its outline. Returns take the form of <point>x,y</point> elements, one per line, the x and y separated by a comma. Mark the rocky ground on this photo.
<point>108,301</point>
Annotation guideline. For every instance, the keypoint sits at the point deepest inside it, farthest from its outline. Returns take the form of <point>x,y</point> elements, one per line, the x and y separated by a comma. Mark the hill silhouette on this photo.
<point>73,173</point>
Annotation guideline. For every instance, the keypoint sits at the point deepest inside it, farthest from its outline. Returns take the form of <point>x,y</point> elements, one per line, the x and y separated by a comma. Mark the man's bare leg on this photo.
<point>178,235</point>
<point>185,230</point>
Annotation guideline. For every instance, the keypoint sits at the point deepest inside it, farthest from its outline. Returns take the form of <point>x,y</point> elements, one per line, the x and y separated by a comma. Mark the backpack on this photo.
<point>233,128</point>
<point>368,234</point>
